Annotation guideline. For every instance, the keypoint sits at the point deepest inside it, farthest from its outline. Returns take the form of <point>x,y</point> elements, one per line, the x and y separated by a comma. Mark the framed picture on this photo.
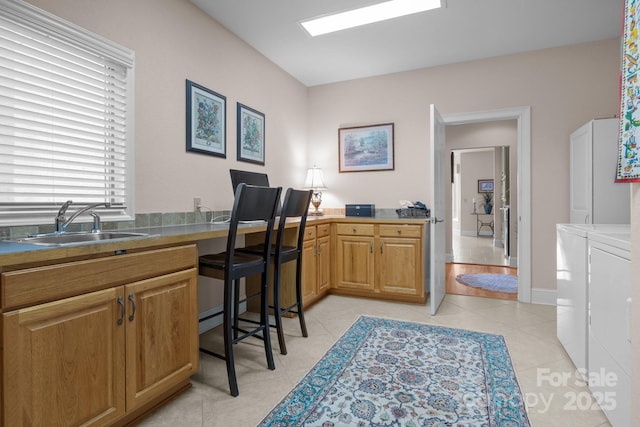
<point>250,135</point>
<point>485,186</point>
<point>206,121</point>
<point>366,148</point>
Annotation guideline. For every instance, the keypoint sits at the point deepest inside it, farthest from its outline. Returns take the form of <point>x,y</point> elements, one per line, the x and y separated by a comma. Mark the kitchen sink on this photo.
<point>55,239</point>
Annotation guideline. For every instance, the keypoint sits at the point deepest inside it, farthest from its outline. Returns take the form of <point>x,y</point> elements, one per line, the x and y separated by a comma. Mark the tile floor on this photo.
<point>529,330</point>
<point>477,250</point>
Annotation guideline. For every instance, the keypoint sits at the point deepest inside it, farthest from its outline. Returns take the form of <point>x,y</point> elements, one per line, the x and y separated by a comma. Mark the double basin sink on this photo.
<point>67,238</point>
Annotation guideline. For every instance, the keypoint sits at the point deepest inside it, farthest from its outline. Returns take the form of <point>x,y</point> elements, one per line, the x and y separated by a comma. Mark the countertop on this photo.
<point>12,253</point>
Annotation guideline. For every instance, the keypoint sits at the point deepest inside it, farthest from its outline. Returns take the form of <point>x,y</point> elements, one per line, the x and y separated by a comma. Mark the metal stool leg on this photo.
<point>277,311</point>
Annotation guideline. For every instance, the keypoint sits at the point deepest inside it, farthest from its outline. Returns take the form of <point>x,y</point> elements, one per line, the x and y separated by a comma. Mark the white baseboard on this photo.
<point>543,296</point>
<point>214,321</point>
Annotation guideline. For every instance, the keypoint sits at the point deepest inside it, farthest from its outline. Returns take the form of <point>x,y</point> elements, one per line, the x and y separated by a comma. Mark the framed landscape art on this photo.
<point>366,148</point>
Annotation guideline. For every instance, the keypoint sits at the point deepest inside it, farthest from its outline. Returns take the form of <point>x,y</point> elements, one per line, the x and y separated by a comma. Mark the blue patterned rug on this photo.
<point>490,282</point>
<point>390,373</point>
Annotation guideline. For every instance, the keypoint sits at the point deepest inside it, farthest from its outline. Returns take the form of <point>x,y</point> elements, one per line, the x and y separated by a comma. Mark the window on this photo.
<point>66,118</point>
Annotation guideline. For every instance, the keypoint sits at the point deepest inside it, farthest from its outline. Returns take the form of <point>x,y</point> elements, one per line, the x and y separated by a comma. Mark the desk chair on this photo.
<point>296,205</point>
<point>251,203</point>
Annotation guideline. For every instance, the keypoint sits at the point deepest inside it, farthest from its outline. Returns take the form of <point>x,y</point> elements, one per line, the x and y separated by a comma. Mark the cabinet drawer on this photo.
<point>323,230</point>
<point>42,284</point>
<point>355,229</point>
<point>400,230</point>
<point>309,233</point>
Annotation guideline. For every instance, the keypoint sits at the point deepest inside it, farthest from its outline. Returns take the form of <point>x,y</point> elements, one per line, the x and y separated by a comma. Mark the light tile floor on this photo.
<point>529,330</point>
<point>477,250</point>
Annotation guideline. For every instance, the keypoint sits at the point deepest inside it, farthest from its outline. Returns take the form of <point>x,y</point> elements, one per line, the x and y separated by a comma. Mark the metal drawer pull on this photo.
<point>381,245</point>
<point>133,307</point>
<point>371,247</point>
<point>121,303</point>
<point>354,230</point>
<point>399,231</point>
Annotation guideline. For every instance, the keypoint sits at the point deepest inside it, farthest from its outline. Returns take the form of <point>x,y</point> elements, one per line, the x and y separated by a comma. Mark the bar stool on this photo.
<point>296,205</point>
<point>252,203</point>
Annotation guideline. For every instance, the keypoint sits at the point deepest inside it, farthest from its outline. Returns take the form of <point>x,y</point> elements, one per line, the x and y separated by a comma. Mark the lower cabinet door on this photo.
<point>65,362</point>
<point>309,272</point>
<point>324,264</point>
<point>161,334</point>
<point>399,266</point>
<point>354,263</point>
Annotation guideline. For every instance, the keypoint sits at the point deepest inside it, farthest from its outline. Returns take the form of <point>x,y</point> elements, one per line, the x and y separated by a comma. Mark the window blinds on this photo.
<point>64,119</point>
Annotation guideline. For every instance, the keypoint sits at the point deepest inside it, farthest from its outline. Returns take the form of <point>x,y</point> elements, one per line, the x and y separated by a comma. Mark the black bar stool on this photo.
<point>296,205</point>
<point>252,203</point>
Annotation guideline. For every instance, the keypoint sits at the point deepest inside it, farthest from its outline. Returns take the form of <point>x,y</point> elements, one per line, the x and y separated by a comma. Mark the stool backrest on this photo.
<point>253,203</point>
<point>295,205</point>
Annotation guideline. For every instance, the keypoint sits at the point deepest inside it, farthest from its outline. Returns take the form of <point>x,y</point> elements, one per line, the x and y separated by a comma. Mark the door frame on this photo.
<point>523,117</point>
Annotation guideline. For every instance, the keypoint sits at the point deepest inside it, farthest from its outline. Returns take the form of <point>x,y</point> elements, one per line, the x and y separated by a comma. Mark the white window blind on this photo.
<point>65,117</point>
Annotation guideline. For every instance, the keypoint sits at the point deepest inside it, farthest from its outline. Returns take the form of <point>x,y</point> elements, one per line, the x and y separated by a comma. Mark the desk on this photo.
<point>483,222</point>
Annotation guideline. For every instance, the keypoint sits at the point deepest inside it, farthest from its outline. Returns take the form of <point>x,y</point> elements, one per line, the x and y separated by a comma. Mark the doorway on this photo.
<point>520,222</point>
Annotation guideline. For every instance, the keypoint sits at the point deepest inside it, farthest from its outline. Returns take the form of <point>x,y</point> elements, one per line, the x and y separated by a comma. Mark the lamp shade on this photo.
<point>315,179</point>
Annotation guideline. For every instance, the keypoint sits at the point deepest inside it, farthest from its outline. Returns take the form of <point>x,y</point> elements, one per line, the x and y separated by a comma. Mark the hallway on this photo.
<point>477,250</point>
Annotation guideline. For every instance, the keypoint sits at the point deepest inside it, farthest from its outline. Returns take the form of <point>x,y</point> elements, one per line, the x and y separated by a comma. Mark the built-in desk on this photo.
<point>134,304</point>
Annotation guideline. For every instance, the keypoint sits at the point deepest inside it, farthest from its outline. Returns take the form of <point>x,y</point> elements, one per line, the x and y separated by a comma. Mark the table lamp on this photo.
<point>315,182</point>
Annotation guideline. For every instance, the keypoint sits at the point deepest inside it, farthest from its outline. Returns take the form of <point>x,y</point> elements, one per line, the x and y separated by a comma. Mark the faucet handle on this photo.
<point>64,207</point>
<point>96,222</point>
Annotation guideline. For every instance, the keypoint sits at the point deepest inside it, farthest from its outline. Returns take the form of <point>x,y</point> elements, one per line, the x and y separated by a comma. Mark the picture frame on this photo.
<point>251,135</point>
<point>206,121</point>
<point>485,186</point>
<point>366,148</point>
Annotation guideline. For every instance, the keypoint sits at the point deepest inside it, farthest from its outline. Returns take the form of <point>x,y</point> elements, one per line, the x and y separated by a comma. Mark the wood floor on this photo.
<point>453,287</point>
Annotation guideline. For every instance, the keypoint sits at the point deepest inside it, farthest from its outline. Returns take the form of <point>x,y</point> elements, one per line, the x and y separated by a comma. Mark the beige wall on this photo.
<point>173,41</point>
<point>474,165</point>
<point>565,87</point>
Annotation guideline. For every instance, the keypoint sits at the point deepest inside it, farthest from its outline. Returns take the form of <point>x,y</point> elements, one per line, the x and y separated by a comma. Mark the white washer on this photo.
<point>572,287</point>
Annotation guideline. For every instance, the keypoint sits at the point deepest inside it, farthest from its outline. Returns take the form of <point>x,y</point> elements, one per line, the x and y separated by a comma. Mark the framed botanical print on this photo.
<point>250,135</point>
<point>206,121</point>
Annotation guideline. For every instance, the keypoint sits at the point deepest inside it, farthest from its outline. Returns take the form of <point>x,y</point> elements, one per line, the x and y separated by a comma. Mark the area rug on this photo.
<point>491,282</point>
<point>385,372</point>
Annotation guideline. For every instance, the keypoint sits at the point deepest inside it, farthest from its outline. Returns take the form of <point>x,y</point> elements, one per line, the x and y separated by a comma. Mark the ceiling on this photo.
<point>462,31</point>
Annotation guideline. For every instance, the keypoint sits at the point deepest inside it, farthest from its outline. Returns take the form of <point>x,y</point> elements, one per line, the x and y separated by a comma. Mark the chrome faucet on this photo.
<point>62,222</point>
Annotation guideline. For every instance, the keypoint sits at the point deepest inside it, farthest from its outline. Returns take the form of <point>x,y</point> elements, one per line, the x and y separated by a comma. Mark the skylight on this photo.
<point>367,15</point>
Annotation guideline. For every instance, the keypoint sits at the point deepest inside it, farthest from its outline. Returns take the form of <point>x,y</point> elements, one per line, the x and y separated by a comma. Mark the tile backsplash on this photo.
<point>141,221</point>
<point>149,220</point>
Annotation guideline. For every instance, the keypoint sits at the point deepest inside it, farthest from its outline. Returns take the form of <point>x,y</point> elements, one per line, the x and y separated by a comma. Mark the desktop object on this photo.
<point>250,178</point>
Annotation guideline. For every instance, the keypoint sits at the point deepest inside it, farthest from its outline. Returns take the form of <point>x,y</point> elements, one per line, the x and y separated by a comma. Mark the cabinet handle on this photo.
<point>381,245</point>
<point>133,307</point>
<point>354,229</point>
<point>399,231</point>
<point>318,249</point>
<point>121,303</point>
<point>371,246</point>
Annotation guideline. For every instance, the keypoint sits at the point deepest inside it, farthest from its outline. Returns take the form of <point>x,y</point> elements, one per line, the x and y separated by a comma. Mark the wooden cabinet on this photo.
<point>380,260</point>
<point>316,263</point>
<point>355,257</point>
<point>124,339</point>
<point>399,260</point>
<point>64,362</point>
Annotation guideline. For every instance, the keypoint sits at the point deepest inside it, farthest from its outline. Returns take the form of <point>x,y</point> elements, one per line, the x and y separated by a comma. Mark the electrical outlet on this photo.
<point>196,204</point>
